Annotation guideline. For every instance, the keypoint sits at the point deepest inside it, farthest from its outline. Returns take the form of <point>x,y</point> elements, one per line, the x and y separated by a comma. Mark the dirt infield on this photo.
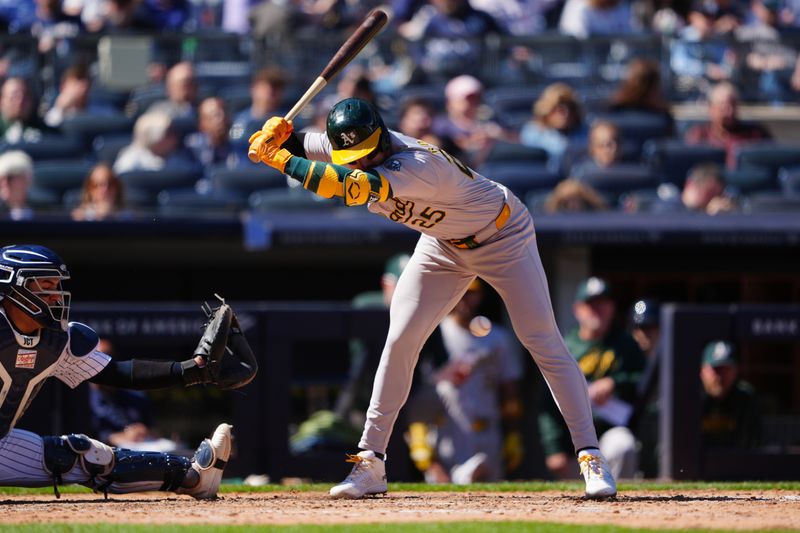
<point>656,509</point>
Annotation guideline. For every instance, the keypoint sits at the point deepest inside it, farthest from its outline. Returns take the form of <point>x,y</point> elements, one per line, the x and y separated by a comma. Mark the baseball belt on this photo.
<point>473,241</point>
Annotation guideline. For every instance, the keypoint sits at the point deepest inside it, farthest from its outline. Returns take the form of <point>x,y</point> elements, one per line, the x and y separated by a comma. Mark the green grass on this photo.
<point>449,527</point>
<point>528,486</point>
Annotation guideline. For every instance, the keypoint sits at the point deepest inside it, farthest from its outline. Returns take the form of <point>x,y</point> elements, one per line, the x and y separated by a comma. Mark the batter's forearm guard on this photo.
<point>329,180</point>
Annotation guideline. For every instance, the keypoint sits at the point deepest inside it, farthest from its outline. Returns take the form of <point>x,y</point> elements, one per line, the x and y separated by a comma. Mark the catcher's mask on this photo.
<point>355,129</point>
<point>22,268</point>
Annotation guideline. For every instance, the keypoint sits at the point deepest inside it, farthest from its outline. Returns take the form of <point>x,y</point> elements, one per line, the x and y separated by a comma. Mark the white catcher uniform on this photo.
<point>471,226</point>
<point>473,424</point>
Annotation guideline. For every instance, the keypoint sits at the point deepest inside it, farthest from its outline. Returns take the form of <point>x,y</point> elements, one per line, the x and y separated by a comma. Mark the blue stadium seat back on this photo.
<point>620,178</point>
<point>750,180</point>
<point>236,97</point>
<point>505,152</point>
<point>107,97</point>
<point>71,199</point>
<point>154,181</point>
<point>535,200</point>
<point>521,177</point>
<point>182,202</point>
<point>434,93</point>
<point>48,147</point>
<point>634,125</point>
<point>789,179</point>
<point>107,147</point>
<point>61,175</point>
<point>87,126</point>
<point>278,200</point>
<point>768,155</point>
<point>247,179</point>
<point>671,159</point>
<point>141,100</point>
<point>184,125</point>
<point>772,202</point>
<point>43,199</point>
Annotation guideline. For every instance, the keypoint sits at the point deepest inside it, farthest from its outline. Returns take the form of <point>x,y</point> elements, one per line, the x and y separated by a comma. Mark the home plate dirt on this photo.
<point>654,509</point>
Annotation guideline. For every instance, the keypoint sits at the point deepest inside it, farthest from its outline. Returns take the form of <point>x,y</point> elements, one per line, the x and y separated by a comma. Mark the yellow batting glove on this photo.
<point>513,451</point>
<point>279,129</point>
<point>263,149</point>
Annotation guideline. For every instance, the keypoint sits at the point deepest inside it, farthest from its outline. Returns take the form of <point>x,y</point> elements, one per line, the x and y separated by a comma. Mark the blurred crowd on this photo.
<point>568,103</point>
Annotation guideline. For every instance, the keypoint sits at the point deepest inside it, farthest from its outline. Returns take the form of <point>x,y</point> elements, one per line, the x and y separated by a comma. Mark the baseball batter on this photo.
<point>470,226</point>
<point>38,342</point>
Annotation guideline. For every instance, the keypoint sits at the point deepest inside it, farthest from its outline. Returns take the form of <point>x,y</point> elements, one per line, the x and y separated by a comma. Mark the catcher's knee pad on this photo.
<point>135,467</point>
<point>61,454</point>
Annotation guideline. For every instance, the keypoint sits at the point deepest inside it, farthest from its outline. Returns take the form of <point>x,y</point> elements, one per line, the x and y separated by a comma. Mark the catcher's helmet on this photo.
<point>355,129</point>
<point>21,268</point>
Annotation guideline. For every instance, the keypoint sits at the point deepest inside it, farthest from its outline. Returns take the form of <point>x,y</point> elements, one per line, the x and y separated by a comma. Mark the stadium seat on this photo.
<point>61,175</point>
<point>513,106</point>
<point>671,159</point>
<point>290,200</point>
<point>636,126</point>
<point>749,180</point>
<point>236,97</point>
<point>789,180</point>
<point>521,177</point>
<point>768,155</point>
<point>620,178</point>
<point>535,201</point>
<point>154,181</point>
<point>504,152</point>
<point>86,127</point>
<point>772,202</point>
<point>43,199</point>
<point>188,202</point>
<point>247,179</point>
<point>107,147</point>
<point>48,147</point>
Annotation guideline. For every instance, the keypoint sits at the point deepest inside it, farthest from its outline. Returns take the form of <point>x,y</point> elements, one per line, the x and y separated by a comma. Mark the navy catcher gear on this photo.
<point>22,267</point>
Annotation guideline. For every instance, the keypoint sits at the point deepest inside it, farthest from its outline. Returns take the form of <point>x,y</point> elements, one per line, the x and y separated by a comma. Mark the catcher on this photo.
<point>37,341</point>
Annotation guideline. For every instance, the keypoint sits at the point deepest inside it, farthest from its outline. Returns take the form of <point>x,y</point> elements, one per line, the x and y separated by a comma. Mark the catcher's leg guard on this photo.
<point>62,454</point>
<point>143,471</point>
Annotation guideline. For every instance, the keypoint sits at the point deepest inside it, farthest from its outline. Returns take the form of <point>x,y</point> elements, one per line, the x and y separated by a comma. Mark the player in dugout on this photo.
<point>471,226</point>
<point>37,341</point>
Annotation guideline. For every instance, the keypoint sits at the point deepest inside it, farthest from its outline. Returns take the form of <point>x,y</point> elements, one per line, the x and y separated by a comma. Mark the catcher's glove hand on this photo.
<point>222,357</point>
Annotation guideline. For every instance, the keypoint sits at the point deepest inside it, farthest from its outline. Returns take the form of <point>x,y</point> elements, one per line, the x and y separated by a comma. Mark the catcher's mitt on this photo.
<point>227,360</point>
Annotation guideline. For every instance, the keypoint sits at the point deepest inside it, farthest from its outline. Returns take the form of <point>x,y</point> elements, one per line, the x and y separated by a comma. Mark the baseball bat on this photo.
<point>369,28</point>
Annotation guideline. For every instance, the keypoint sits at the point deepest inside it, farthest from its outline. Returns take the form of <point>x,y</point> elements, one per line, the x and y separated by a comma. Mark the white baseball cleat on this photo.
<point>473,470</point>
<point>368,476</point>
<point>600,482</point>
<point>209,461</point>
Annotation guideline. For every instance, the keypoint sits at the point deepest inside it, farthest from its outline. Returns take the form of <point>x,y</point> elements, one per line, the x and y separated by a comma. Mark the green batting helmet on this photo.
<point>355,129</point>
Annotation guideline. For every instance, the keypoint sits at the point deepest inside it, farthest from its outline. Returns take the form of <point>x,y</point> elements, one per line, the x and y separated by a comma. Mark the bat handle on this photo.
<point>312,91</point>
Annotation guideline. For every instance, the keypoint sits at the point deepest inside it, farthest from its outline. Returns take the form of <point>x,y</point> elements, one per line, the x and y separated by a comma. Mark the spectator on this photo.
<point>700,55</point>
<point>354,82</point>
<point>123,417</point>
<point>448,40</point>
<point>52,27</point>
<point>466,123</point>
<point>16,174</point>
<point>102,196</point>
<point>584,18</point>
<point>605,149</point>
<point>641,91</point>
<point>416,120</point>
<point>18,119</point>
<point>731,417</point>
<point>267,92</point>
<point>557,123</point>
<point>724,129</point>
<point>520,17</point>
<point>73,98</point>
<point>612,363</point>
<point>210,144</point>
<point>155,146</point>
<point>703,192</point>
<point>773,61</point>
<point>181,87</point>
<point>458,418</point>
<point>570,196</point>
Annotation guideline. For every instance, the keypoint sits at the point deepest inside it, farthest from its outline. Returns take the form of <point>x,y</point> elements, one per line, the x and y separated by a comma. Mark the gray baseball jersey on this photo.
<point>471,226</point>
